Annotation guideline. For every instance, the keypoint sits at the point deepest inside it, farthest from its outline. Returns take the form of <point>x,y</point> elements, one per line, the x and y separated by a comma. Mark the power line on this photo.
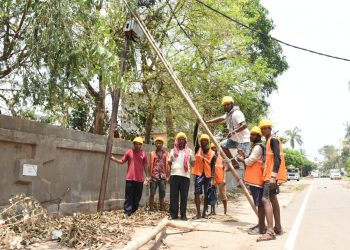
<point>268,36</point>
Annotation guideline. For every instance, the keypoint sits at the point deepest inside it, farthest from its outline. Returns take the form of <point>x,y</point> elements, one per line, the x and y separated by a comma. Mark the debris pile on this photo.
<point>26,222</point>
<point>22,223</point>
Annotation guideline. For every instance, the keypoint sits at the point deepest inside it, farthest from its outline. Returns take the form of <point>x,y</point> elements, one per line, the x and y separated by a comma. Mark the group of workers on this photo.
<point>263,163</point>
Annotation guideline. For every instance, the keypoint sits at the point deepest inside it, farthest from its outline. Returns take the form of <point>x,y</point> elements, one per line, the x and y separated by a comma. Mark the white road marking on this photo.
<point>295,229</point>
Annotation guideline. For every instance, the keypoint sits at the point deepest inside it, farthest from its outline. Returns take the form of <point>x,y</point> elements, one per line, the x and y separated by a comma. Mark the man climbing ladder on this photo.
<point>238,136</point>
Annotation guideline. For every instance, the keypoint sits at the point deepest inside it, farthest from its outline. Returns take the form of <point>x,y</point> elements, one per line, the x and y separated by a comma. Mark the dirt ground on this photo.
<point>218,232</point>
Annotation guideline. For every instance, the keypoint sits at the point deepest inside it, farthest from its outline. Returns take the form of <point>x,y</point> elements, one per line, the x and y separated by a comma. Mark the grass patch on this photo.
<point>301,187</point>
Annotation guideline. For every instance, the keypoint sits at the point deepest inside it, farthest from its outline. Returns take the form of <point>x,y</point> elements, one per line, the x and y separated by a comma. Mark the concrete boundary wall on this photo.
<point>60,167</point>
<point>65,167</point>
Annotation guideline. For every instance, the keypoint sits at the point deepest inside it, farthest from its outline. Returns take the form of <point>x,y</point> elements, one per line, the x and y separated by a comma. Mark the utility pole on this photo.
<point>132,33</point>
<point>191,104</point>
<point>112,126</point>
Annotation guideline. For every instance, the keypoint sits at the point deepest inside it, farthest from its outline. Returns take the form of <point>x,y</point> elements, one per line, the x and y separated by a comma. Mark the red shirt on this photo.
<point>136,160</point>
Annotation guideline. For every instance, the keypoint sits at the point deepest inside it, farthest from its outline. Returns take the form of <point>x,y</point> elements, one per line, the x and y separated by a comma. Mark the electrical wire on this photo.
<point>268,36</point>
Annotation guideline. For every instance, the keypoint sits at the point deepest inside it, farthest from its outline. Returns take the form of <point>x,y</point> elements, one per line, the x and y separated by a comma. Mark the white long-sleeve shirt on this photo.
<point>255,155</point>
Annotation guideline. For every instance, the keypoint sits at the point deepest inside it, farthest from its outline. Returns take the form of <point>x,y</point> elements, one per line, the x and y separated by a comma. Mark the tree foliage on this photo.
<point>297,159</point>
<point>331,157</point>
<point>64,63</point>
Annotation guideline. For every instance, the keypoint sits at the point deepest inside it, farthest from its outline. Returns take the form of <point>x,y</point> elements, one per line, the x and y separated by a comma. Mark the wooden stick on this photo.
<point>139,242</point>
<point>192,106</point>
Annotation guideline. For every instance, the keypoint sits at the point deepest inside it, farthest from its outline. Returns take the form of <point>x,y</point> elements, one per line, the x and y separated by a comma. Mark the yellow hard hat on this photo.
<point>227,99</point>
<point>256,130</point>
<point>159,139</point>
<point>212,145</point>
<point>138,139</point>
<point>204,137</point>
<point>265,123</point>
<point>181,135</point>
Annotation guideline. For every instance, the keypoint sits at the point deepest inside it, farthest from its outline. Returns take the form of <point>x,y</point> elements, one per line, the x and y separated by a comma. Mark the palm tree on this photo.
<point>347,130</point>
<point>294,136</point>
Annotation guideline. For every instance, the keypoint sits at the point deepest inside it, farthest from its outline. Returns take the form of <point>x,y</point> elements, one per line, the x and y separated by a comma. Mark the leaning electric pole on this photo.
<point>132,32</point>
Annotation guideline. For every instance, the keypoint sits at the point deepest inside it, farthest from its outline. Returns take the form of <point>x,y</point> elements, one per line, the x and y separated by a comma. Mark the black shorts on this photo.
<point>160,183</point>
<point>268,192</point>
<point>201,182</point>
<point>257,193</point>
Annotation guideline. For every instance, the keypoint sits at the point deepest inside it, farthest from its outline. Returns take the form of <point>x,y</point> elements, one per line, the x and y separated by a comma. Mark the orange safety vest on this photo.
<point>254,173</point>
<point>282,172</point>
<point>154,156</point>
<point>202,161</point>
<point>219,171</point>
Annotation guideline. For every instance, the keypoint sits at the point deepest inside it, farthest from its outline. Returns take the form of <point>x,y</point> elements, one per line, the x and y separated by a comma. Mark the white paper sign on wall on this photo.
<point>30,170</point>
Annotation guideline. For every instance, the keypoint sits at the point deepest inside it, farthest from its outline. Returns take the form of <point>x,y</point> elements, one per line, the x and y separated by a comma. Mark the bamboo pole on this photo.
<point>192,106</point>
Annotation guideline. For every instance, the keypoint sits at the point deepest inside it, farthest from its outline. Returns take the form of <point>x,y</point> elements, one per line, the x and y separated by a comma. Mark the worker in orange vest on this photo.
<point>274,174</point>
<point>254,176</point>
<point>159,170</point>
<point>219,179</point>
<point>203,170</point>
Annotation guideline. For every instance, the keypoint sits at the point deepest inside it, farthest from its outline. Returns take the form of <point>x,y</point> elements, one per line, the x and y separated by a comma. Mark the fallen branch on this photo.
<point>139,242</point>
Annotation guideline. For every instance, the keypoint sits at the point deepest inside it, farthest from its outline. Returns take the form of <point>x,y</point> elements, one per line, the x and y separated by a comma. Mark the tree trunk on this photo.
<point>169,120</point>
<point>100,109</point>
<point>149,122</point>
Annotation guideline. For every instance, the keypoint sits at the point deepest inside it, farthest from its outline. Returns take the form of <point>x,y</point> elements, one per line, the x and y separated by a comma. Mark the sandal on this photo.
<point>196,217</point>
<point>267,236</point>
<point>205,216</point>
<point>252,228</point>
<point>278,231</point>
<point>257,231</point>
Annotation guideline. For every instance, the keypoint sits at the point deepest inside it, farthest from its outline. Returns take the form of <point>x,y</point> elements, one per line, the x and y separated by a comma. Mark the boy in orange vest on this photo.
<point>254,176</point>
<point>219,180</point>
<point>274,173</point>
<point>158,172</point>
<point>203,170</point>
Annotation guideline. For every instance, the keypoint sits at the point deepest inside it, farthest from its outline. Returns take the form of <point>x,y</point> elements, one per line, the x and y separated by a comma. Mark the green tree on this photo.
<point>331,157</point>
<point>15,24</point>
<point>293,157</point>
<point>297,159</point>
<point>74,49</point>
<point>212,57</point>
<point>294,136</point>
<point>74,52</point>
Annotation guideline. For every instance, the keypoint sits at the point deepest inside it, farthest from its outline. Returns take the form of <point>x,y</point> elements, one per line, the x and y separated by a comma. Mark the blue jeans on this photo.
<point>229,143</point>
<point>245,146</point>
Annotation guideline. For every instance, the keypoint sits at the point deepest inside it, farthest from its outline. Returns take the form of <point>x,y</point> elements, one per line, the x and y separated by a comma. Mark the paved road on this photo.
<point>317,218</point>
<point>326,220</point>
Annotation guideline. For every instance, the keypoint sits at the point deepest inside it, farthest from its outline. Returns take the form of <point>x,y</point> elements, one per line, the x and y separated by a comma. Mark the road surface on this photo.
<point>317,218</point>
<point>315,215</point>
<point>326,220</point>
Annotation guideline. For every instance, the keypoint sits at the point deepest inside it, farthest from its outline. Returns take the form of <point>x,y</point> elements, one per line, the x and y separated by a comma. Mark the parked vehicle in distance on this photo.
<point>314,174</point>
<point>334,174</point>
<point>293,174</point>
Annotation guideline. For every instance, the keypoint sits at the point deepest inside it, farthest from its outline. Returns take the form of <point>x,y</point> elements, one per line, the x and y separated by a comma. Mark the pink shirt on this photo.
<point>136,160</point>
